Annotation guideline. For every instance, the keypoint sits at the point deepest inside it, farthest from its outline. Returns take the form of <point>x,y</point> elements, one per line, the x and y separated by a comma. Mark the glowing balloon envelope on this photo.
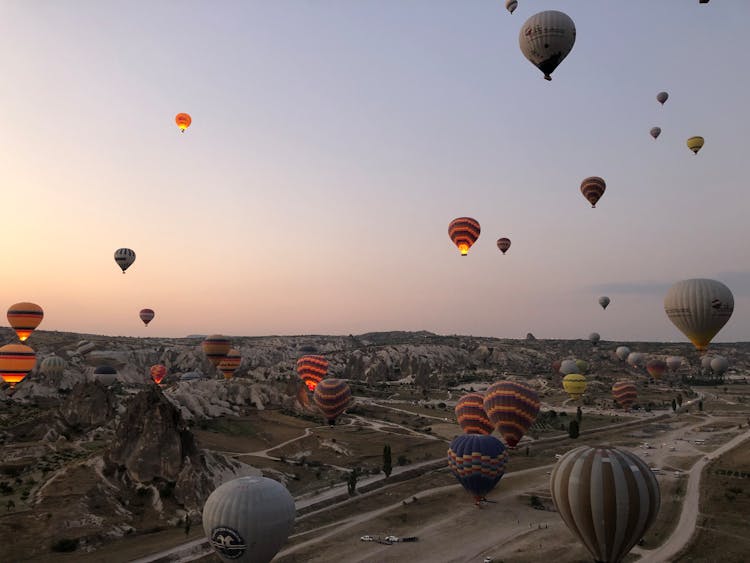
<point>624,393</point>
<point>216,347</point>
<point>574,385</point>
<point>477,461</point>
<point>158,372</point>
<point>53,366</point>
<point>124,258</point>
<point>311,369</point>
<point>464,232</point>
<point>503,244</point>
<point>512,407</point>
<point>230,363</point>
<point>604,301</point>
<point>16,361</point>
<point>332,397</point>
<point>695,144</point>
<point>546,39</point>
<point>24,318</point>
<point>699,308</point>
<point>593,188</point>
<point>183,121</point>
<point>147,315</point>
<point>471,416</point>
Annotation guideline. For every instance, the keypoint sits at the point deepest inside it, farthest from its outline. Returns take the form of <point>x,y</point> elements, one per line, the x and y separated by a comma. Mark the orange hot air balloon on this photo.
<point>593,188</point>
<point>16,361</point>
<point>230,363</point>
<point>24,318</point>
<point>503,244</point>
<point>464,232</point>
<point>158,372</point>
<point>311,370</point>
<point>216,347</point>
<point>471,416</point>
<point>183,121</point>
<point>332,397</point>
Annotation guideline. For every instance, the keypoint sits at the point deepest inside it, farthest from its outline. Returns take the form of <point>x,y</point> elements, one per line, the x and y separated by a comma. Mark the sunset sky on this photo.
<point>334,140</point>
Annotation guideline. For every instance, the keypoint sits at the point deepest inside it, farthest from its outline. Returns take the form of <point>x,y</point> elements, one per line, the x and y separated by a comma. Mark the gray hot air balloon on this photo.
<point>622,353</point>
<point>568,366</point>
<point>719,365</point>
<point>607,497</point>
<point>706,362</point>
<point>106,375</point>
<point>594,338</point>
<point>248,519</point>
<point>674,362</point>
<point>124,258</point>
<point>53,366</point>
<point>604,301</point>
<point>699,308</point>
<point>661,97</point>
<point>511,5</point>
<point>655,132</point>
<point>636,359</point>
<point>546,39</point>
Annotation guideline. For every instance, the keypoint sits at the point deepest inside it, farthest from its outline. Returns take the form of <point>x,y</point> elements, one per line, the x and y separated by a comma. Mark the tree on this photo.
<point>387,462</point>
<point>579,415</point>
<point>679,399</point>
<point>674,405</point>
<point>700,405</point>
<point>351,482</point>
<point>573,429</point>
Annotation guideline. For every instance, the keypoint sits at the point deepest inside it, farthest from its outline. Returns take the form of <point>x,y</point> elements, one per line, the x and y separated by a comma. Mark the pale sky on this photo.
<point>334,140</point>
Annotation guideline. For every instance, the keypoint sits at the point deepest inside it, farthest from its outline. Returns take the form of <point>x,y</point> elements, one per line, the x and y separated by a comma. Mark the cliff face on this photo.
<point>88,406</point>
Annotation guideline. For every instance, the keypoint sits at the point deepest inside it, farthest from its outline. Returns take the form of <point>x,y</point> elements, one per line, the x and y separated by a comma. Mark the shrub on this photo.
<point>65,545</point>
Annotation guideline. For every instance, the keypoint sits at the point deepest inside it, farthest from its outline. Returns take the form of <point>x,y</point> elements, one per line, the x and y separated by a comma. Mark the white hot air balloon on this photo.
<point>719,365</point>
<point>636,359</point>
<point>699,308</point>
<point>568,366</point>
<point>622,353</point>
<point>546,39</point>
<point>248,519</point>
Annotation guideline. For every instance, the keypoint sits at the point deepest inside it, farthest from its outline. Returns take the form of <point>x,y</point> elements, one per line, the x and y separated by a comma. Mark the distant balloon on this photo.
<point>248,519</point>
<point>582,366</point>
<point>230,363</point>
<point>568,366</point>
<point>699,308</point>
<point>656,368</point>
<point>464,232</point>
<point>655,132</point>
<point>147,315</point>
<point>158,372</point>
<point>604,301</point>
<point>503,244</point>
<point>546,39</point>
<point>636,359</point>
<point>574,385</point>
<point>16,361</point>
<point>607,497</point>
<point>556,365</point>
<point>332,397</point>
<point>183,121</point>
<point>674,362</point>
<point>511,5</point>
<point>311,369</point>
<point>625,393</point>
<point>662,97</point>
<point>706,362</point>
<point>512,407</point>
<point>24,317</point>
<point>695,144</point>
<point>124,258</point>
<point>216,347</point>
<point>594,338</point>
<point>471,416</point>
<point>477,461</point>
<point>593,188</point>
<point>53,366</point>
<point>719,365</point>
<point>106,375</point>
<point>622,353</point>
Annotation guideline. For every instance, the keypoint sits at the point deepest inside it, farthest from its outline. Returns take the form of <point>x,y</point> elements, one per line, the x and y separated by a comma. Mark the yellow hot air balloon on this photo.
<point>183,121</point>
<point>695,144</point>
<point>574,385</point>
<point>699,308</point>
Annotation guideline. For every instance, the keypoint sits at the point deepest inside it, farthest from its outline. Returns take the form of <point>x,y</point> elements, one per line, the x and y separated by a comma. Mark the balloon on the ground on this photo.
<point>699,308</point>
<point>183,121</point>
<point>158,372</point>
<point>636,359</point>
<point>464,232</point>
<point>511,5</point>
<point>594,338</point>
<point>311,369</point>
<point>582,366</point>
<point>24,317</point>
<point>655,132</point>
<point>662,97</point>
<point>674,362</point>
<point>332,397</point>
<point>124,258</point>
<point>574,385</point>
<point>593,188</point>
<point>568,366</point>
<point>503,244</point>
<point>216,347</point>
<point>512,408</point>
<point>695,144</point>
<point>53,366</point>
<point>546,39</point>
<point>230,363</point>
<point>556,366</point>
<point>656,368</point>
<point>719,365</point>
<point>624,393</point>
<point>146,315</point>
<point>706,362</point>
<point>622,353</point>
<point>607,497</point>
<point>106,375</point>
<point>247,520</point>
<point>604,301</point>
<point>471,416</point>
<point>477,461</point>
<point>16,361</point>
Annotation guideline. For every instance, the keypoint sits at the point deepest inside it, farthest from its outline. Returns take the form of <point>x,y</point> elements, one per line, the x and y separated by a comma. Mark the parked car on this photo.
<point>391,539</point>
<point>367,538</point>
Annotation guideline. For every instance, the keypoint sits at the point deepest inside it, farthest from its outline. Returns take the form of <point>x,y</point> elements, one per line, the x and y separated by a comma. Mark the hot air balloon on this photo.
<point>674,362</point>
<point>661,97</point>
<point>706,362</point>
<point>622,353</point>
<point>312,369</point>
<point>512,408</point>
<point>16,361</point>
<point>655,132</point>
<point>592,189</point>
<point>477,461</point>
<point>511,5</point>
<point>147,315</point>
<point>719,365</point>
<point>699,308</point>
<point>625,393</point>
<point>124,258</point>
<point>503,244</point>
<point>656,368</point>
<point>574,385</point>
<point>635,359</point>
<point>24,318</point>
<point>158,372</point>
<point>546,39</point>
<point>568,366</point>
<point>464,232</point>
<point>230,363</point>
<point>607,497</point>
<point>53,366</point>
<point>332,397</point>
<point>582,366</point>
<point>183,121</point>
<point>216,347</point>
<point>471,416</point>
<point>248,519</point>
<point>106,375</point>
<point>695,144</point>
<point>594,338</point>
<point>556,365</point>
<point>604,301</point>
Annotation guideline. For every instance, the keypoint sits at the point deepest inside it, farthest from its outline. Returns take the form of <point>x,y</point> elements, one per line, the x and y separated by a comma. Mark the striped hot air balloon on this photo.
<point>311,369</point>
<point>574,385</point>
<point>624,393</point>
<point>124,258</point>
<point>146,315</point>
<point>695,144</point>
<point>471,416</point>
<point>230,363</point>
<point>593,188</point>
<point>53,366</point>
<point>699,308</point>
<point>158,372</point>
<point>24,317</point>
<point>512,408</point>
<point>607,497</point>
<point>106,375</point>
<point>464,232</point>
<point>332,397</point>
<point>216,347</point>
<point>183,121</point>
<point>16,361</point>
<point>477,461</point>
<point>503,244</point>
<point>656,368</point>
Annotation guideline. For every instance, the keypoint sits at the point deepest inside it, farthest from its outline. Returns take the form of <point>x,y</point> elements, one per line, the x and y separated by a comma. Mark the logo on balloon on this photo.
<point>228,542</point>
